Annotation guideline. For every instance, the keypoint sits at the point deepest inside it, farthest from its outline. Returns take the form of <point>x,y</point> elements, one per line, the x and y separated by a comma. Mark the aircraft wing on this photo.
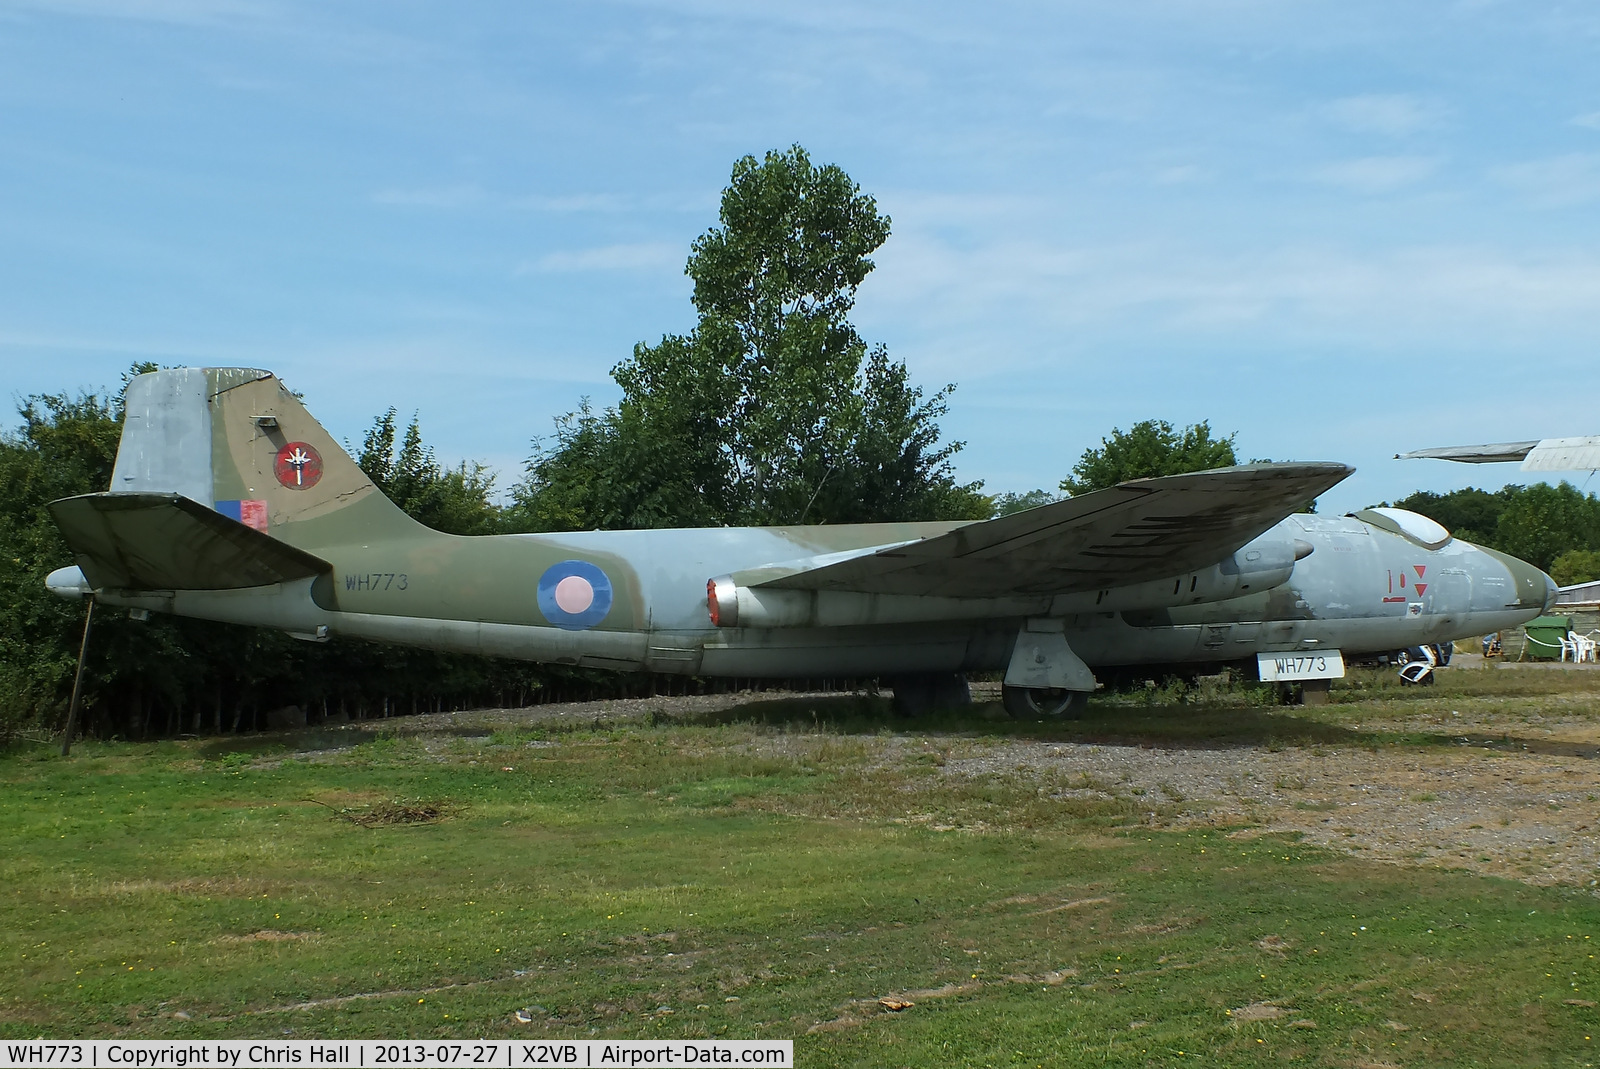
<point>1473,454</point>
<point>1547,454</point>
<point>154,541</point>
<point>1137,531</point>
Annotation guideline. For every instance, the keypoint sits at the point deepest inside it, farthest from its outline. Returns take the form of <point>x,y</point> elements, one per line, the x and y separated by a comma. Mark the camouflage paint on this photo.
<point>391,579</point>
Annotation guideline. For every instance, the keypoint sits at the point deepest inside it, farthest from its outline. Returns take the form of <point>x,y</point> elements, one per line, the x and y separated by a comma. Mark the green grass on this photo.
<point>766,872</point>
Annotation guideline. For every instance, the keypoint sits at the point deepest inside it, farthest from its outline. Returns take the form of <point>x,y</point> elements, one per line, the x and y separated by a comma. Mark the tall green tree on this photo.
<point>1149,448</point>
<point>773,410</point>
<point>1576,566</point>
<point>454,500</point>
<point>1541,522</point>
<point>65,446</point>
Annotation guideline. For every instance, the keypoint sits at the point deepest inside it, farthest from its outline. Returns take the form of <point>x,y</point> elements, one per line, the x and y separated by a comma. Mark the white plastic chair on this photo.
<point>1569,645</point>
<point>1586,647</point>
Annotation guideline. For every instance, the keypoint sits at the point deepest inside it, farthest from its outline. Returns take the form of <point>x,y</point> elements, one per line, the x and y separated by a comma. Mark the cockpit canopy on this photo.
<point>1428,534</point>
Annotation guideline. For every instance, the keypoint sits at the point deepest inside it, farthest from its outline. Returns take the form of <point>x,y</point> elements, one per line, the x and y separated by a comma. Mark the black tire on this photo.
<point>1043,703</point>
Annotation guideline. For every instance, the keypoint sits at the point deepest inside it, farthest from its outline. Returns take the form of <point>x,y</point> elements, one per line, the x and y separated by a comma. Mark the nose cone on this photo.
<point>67,583</point>
<point>1534,589</point>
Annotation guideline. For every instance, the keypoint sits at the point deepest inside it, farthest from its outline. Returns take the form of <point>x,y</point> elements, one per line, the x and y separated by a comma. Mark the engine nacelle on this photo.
<point>1261,565</point>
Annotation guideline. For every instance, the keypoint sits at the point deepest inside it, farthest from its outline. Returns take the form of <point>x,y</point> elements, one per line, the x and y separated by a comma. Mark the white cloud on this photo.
<point>1393,115</point>
<point>1376,174</point>
<point>639,256</point>
<point>1591,120</point>
<point>1557,181</point>
<point>1287,293</point>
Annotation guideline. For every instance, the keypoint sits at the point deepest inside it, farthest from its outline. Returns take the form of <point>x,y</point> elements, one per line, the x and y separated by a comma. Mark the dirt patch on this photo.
<point>1518,798</point>
<point>1077,904</point>
<point>267,935</point>
<point>1508,786</point>
<point>1257,1011</point>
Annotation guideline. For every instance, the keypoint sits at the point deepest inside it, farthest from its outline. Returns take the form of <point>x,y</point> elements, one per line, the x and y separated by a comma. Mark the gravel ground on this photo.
<point>1524,815</point>
<point>1522,803</point>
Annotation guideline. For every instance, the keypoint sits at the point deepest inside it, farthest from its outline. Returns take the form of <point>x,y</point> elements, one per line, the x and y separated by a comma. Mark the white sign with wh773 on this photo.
<point>1303,664</point>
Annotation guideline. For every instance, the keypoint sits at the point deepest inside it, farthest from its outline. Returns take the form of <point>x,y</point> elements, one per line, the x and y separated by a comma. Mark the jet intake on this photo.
<point>722,598</point>
<point>1259,566</point>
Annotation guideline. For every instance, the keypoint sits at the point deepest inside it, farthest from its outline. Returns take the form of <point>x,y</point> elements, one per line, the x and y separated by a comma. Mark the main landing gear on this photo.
<point>1045,680</point>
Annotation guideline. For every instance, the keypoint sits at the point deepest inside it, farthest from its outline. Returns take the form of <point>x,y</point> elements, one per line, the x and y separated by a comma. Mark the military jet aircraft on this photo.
<point>230,502</point>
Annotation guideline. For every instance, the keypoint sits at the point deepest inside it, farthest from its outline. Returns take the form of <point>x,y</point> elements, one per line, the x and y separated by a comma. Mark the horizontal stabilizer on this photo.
<point>164,541</point>
<point>1131,533</point>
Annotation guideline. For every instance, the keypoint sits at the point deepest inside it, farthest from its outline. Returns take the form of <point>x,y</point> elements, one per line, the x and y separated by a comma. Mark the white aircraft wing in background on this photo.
<point>1546,454</point>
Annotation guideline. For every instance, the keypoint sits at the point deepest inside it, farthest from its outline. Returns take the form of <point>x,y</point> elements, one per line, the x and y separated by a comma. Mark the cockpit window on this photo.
<point>1418,528</point>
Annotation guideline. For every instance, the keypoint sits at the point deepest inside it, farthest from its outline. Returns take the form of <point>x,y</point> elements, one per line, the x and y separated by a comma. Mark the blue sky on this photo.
<point>1342,229</point>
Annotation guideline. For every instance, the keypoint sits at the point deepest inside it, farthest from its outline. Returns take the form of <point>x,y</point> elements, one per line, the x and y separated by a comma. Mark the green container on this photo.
<point>1545,635</point>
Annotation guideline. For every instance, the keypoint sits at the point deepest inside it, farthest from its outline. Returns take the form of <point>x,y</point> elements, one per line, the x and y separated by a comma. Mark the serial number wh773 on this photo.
<point>1319,664</point>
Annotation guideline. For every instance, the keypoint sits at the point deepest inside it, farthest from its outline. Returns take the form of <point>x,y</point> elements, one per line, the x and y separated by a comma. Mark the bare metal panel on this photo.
<point>166,435</point>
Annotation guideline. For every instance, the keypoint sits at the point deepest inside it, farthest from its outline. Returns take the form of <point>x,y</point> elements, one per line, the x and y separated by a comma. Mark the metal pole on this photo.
<point>77,682</point>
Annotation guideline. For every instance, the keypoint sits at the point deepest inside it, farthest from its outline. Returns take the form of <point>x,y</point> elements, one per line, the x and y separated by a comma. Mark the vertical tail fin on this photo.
<point>235,440</point>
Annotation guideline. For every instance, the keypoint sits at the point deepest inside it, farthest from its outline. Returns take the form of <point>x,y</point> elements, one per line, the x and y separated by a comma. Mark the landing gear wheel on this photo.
<point>1043,703</point>
<point>1419,673</point>
<point>919,695</point>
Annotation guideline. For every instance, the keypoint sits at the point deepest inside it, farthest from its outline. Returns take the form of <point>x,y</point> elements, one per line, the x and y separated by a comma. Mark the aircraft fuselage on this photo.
<point>1360,589</point>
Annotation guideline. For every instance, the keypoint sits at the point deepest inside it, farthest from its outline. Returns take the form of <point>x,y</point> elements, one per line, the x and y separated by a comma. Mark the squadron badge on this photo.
<point>297,466</point>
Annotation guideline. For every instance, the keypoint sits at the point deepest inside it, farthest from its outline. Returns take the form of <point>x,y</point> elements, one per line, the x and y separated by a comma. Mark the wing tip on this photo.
<point>1277,468</point>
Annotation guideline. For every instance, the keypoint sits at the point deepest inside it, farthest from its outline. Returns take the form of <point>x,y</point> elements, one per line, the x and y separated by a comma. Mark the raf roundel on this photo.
<point>297,466</point>
<point>574,595</point>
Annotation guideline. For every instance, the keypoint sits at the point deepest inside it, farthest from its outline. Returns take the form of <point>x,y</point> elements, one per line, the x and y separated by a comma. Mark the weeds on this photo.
<point>385,814</point>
